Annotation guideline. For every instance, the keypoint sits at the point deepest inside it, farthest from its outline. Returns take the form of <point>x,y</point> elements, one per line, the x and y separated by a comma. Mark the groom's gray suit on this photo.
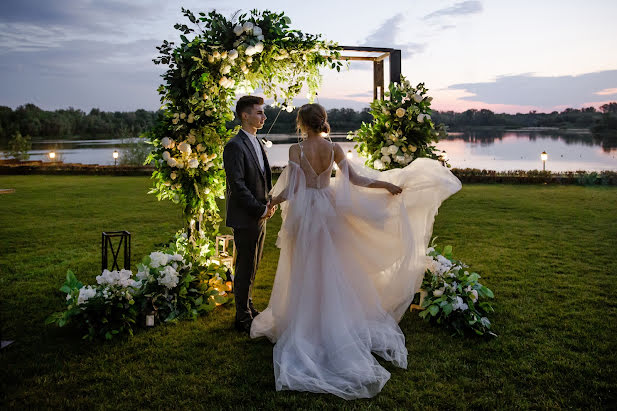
<point>247,189</point>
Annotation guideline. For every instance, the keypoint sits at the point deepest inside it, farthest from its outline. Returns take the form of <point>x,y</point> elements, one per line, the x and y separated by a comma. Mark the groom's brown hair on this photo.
<point>246,103</point>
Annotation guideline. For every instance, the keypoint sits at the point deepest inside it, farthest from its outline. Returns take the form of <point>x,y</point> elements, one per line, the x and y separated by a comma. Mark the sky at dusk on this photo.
<point>507,56</point>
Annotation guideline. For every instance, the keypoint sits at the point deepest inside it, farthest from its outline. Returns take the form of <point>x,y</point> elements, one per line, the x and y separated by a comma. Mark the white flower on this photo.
<point>427,117</point>
<point>166,155</point>
<point>260,37</point>
<point>289,109</point>
<point>400,112</point>
<point>167,142</point>
<point>257,31</point>
<point>238,30</point>
<point>386,159</point>
<point>233,54</point>
<point>191,118</point>
<point>207,190</point>
<point>184,147</point>
<point>438,293</point>
<point>225,69</point>
<point>158,259</point>
<point>421,117</point>
<point>417,98</point>
<point>474,295</point>
<point>430,250</point>
<point>172,162</point>
<point>249,60</point>
<point>400,159</point>
<point>378,164</point>
<point>176,257</point>
<point>250,50</point>
<point>179,163</point>
<point>248,26</point>
<point>193,163</point>
<point>85,293</point>
<point>173,175</point>
<point>210,59</point>
<point>259,47</point>
<point>392,149</point>
<point>170,277</point>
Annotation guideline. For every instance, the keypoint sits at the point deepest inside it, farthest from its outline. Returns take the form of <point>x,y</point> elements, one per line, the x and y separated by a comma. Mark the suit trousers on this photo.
<point>249,244</point>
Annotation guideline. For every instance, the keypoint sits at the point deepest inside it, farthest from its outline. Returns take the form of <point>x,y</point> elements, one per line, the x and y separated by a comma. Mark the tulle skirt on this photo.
<point>351,260</point>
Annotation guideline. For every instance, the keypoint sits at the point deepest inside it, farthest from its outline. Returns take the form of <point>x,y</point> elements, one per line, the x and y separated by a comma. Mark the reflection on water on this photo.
<point>485,149</point>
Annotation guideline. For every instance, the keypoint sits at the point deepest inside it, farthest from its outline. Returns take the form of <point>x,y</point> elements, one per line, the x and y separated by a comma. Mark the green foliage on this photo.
<point>134,153</point>
<point>402,129</point>
<point>19,146</point>
<point>222,57</point>
<point>454,295</point>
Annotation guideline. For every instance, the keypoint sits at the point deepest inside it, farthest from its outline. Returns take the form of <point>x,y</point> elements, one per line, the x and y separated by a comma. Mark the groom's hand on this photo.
<point>271,211</point>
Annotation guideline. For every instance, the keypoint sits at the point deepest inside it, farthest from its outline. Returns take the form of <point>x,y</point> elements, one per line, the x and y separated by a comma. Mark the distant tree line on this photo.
<point>30,120</point>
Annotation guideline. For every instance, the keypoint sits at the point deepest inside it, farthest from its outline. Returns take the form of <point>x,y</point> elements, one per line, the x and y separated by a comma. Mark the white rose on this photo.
<point>248,26</point>
<point>474,295</point>
<point>400,112</point>
<point>378,164</point>
<point>167,142</point>
<point>421,117</point>
<point>180,163</point>
<point>392,149</point>
<point>233,54</point>
<point>400,159</point>
<point>249,60</point>
<point>386,159</point>
<point>289,109</point>
<point>191,139</point>
<point>238,30</point>
<point>166,155</point>
<point>190,118</point>
<point>417,98</point>
<point>257,31</point>
<point>250,50</point>
<point>184,147</point>
<point>173,175</point>
<point>260,38</point>
<point>225,69</point>
<point>172,162</point>
<point>207,190</point>
<point>438,293</point>
<point>259,47</point>
<point>193,163</point>
<point>384,151</point>
<point>427,117</point>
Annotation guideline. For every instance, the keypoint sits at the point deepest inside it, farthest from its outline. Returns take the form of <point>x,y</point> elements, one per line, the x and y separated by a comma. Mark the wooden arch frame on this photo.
<point>378,57</point>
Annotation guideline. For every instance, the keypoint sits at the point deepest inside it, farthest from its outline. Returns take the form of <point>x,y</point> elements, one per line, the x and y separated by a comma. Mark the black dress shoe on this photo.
<point>254,312</point>
<point>244,326</point>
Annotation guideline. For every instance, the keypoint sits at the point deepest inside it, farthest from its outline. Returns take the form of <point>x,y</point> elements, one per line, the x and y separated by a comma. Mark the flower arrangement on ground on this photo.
<point>454,296</point>
<point>166,286</point>
<point>402,129</point>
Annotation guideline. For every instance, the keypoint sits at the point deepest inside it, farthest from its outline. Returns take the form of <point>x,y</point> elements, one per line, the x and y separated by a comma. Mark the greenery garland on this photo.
<point>224,57</point>
<point>402,129</point>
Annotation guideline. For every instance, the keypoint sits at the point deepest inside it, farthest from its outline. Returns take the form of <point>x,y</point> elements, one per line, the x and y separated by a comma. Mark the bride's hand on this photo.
<point>393,189</point>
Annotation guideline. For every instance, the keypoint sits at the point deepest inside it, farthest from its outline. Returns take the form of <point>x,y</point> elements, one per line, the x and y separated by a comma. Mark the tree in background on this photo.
<point>19,146</point>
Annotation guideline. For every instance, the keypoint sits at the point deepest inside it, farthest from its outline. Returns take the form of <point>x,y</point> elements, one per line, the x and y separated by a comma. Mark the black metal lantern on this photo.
<point>106,242</point>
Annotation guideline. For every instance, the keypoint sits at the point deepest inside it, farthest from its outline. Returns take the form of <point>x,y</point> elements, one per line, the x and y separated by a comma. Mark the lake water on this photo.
<point>487,149</point>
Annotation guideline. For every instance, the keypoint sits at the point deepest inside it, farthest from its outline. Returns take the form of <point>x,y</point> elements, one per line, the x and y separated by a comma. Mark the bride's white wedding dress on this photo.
<point>351,260</point>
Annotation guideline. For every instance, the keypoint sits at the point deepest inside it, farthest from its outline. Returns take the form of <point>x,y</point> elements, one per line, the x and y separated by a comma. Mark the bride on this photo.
<point>352,257</point>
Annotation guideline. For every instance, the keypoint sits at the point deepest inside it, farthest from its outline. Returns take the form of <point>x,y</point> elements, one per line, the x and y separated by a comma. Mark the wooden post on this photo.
<point>378,80</point>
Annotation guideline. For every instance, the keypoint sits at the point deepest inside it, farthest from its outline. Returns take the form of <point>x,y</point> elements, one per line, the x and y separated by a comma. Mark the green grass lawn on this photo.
<point>548,253</point>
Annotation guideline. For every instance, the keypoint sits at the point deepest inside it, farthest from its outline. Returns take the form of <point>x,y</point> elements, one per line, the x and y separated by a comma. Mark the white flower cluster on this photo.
<point>122,278</point>
<point>159,259</point>
<point>169,277</point>
<point>85,293</point>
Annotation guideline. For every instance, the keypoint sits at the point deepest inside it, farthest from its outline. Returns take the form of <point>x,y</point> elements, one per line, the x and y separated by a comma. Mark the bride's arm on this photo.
<point>355,179</point>
<point>294,155</point>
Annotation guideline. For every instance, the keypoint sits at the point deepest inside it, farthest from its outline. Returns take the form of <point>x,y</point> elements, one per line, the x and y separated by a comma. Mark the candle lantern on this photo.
<point>124,242</point>
<point>225,254</point>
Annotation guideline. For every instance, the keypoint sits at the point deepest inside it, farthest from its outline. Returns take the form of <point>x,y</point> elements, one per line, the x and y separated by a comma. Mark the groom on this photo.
<point>248,182</point>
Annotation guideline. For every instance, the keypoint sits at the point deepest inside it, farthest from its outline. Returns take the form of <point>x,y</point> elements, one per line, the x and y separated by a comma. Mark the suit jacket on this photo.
<point>247,186</point>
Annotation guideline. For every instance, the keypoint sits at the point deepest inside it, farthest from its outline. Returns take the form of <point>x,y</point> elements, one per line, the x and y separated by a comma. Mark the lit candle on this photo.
<point>150,320</point>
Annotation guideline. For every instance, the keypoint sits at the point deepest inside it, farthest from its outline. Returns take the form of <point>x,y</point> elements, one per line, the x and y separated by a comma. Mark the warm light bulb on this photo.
<point>544,156</point>
<point>349,154</point>
<point>115,154</point>
<point>52,155</point>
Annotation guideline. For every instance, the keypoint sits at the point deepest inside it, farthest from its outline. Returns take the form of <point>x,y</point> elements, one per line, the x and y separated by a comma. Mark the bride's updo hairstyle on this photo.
<point>312,117</point>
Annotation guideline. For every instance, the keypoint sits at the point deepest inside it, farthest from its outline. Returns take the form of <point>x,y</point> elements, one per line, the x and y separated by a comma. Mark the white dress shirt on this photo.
<point>257,147</point>
<point>260,157</point>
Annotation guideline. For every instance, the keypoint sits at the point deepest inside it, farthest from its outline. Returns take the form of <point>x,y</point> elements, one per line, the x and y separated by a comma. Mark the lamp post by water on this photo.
<point>116,154</point>
<point>544,157</point>
<point>52,155</point>
<point>349,155</point>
